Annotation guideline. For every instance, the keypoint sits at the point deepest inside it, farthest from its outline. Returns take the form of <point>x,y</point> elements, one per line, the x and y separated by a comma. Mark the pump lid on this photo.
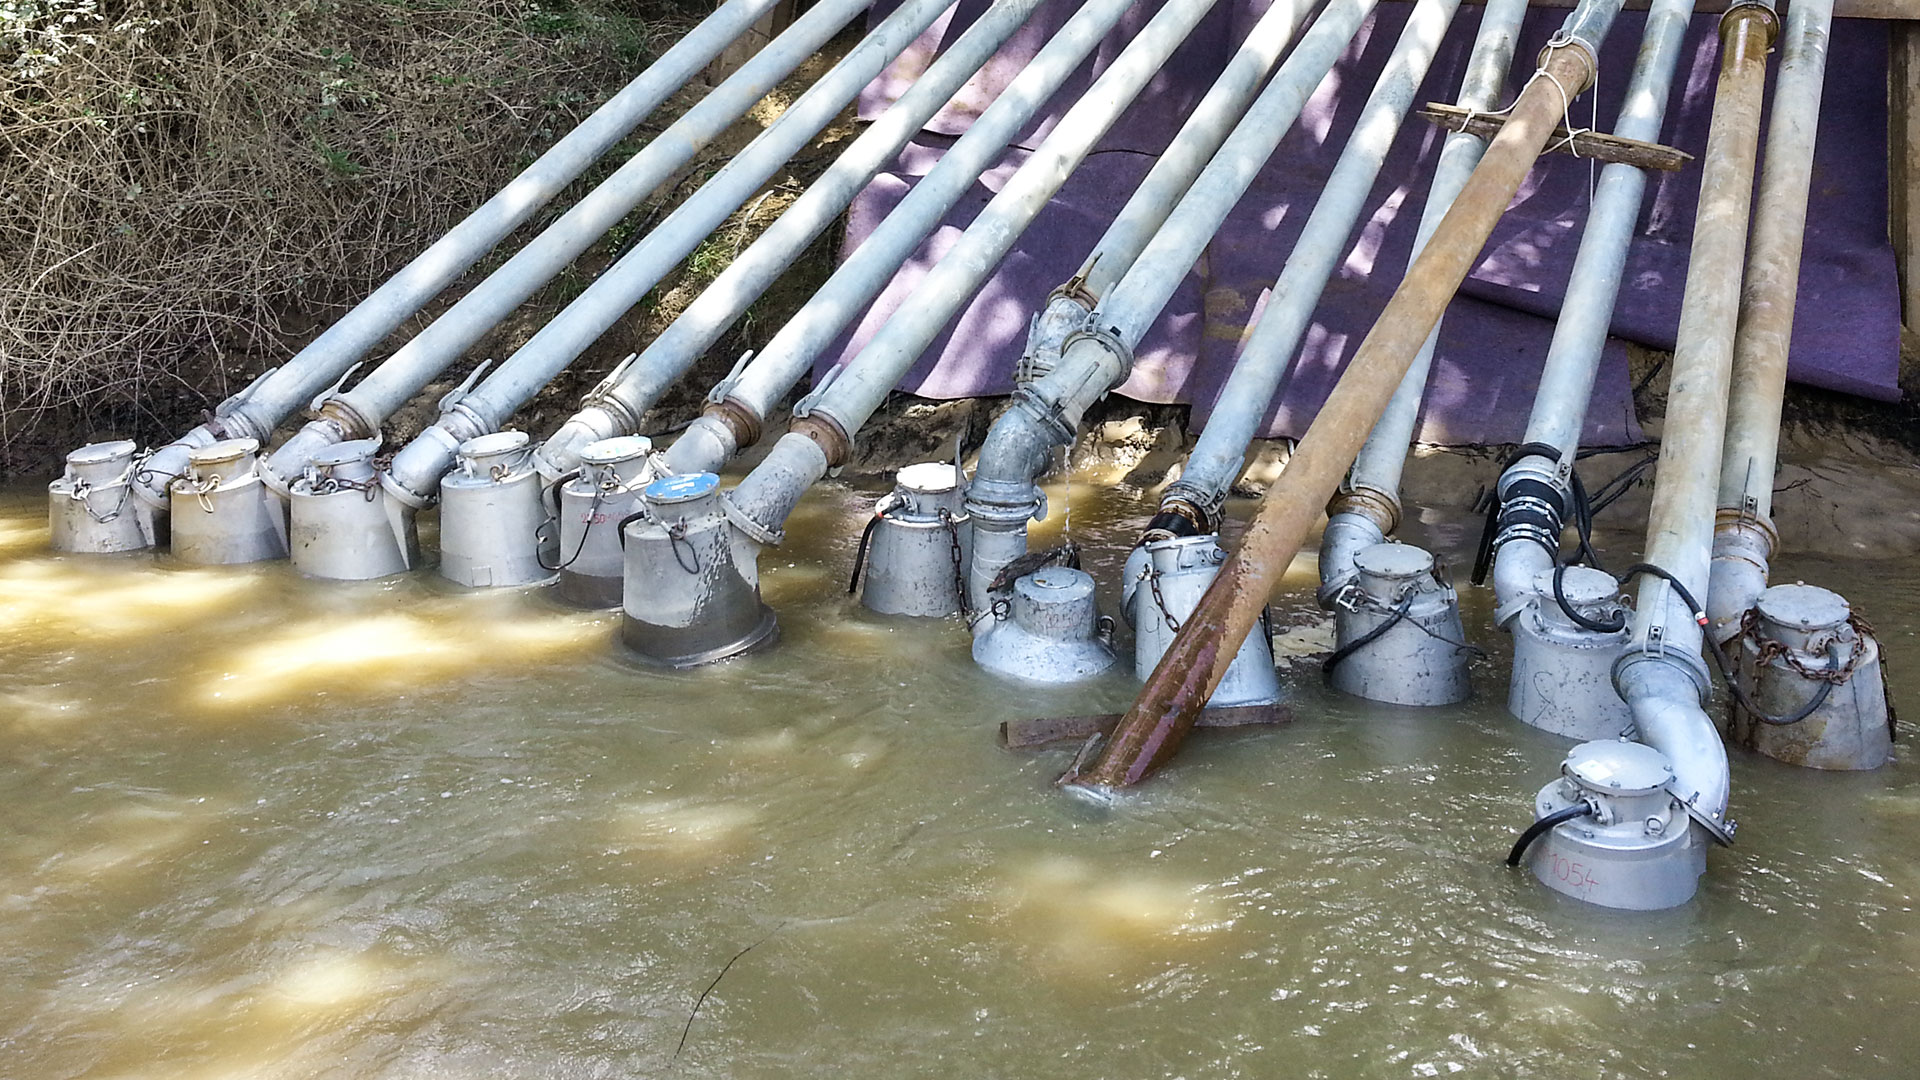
<point>1805,608</point>
<point>928,477</point>
<point>1394,561</point>
<point>102,453</point>
<point>1054,583</point>
<point>495,442</point>
<point>1618,767</point>
<point>1585,588</point>
<point>616,450</point>
<point>684,487</point>
<point>346,452</point>
<point>224,451</point>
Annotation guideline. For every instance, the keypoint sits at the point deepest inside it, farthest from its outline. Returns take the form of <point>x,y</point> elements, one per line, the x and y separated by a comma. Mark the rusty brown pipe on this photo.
<point>1193,665</point>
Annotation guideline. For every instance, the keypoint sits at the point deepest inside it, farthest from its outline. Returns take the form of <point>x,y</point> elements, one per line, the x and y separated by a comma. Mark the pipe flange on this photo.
<point>828,433</point>
<point>1740,519</point>
<point>739,418</point>
<point>755,531</point>
<point>1378,505</point>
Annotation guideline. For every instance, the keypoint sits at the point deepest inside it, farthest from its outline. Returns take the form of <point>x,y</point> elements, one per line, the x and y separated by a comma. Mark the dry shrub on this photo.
<point>179,177</point>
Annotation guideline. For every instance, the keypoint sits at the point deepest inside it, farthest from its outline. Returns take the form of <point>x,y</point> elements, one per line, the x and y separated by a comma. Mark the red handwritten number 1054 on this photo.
<point>1576,875</point>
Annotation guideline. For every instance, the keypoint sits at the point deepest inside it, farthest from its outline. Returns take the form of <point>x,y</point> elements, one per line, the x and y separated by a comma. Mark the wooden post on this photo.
<point>747,44</point>
<point>1903,162</point>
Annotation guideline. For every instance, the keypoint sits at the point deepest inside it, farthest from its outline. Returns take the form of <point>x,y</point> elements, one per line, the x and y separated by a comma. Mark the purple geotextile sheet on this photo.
<point>1846,333</point>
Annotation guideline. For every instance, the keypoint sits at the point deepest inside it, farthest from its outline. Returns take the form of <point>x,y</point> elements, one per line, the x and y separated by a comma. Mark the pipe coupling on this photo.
<point>1378,505</point>
<point>1748,535</point>
<point>1179,516</point>
<point>1109,340</point>
<point>346,418</point>
<point>828,434</point>
<point>739,418</point>
<point>1589,52</point>
<point>1740,11</point>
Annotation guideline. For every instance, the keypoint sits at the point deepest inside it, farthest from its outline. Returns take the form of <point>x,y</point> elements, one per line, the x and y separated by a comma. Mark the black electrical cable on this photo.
<point>860,553</point>
<point>1577,810</point>
<point>1337,656</point>
<point>1727,673</point>
<point>1618,624</point>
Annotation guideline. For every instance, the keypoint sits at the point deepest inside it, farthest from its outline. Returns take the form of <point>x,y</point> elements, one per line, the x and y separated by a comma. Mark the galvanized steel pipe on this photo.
<point>747,397</point>
<point>1193,665</point>
<point>831,415</point>
<point>1586,312</point>
<point>271,399</point>
<point>415,475</point>
<point>1661,675</point>
<point>616,406</point>
<point>1003,496</point>
<point>1267,352</point>
<point>1368,506</point>
<point>1744,536</point>
<point>358,412</point>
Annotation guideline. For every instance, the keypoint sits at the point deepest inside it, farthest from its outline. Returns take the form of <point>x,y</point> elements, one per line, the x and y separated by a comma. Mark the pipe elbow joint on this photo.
<point>1348,533</point>
<point>560,454</point>
<point>1742,547</point>
<point>151,477</point>
<point>1667,700</point>
<point>414,476</point>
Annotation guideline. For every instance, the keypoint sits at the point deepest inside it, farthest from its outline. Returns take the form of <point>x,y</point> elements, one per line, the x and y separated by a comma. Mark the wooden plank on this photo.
<point>1903,165</point>
<point>1041,731</point>
<point>1586,144</point>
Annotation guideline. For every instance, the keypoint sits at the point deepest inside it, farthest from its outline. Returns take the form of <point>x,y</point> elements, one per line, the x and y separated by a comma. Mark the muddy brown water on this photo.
<point>258,826</point>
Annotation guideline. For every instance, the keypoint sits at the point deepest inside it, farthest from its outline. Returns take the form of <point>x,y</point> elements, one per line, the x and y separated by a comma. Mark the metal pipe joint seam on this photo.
<point>1742,10</point>
<point>826,432</point>
<point>739,418</point>
<point>1376,504</point>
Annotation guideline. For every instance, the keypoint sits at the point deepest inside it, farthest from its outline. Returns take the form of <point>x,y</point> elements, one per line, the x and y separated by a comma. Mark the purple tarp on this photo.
<point>1846,334</point>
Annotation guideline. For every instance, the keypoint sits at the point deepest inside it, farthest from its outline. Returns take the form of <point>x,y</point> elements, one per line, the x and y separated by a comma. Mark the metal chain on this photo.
<point>1771,650</point>
<point>1152,577</point>
<point>959,565</point>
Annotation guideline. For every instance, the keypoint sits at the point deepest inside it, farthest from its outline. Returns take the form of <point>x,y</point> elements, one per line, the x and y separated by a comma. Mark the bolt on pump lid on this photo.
<point>1590,592</point>
<point>228,459</point>
<point>224,451</point>
<point>625,457</point>
<point>1617,767</point>
<point>928,477</point>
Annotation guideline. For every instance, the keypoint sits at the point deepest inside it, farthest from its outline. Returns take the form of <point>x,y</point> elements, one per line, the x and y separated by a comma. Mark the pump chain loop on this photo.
<point>1771,650</point>
<point>82,492</point>
<point>1151,576</point>
<point>329,485</point>
<point>959,565</point>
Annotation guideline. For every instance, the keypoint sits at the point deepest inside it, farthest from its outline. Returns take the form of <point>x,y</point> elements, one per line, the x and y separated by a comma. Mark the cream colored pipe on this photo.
<point>1744,536</point>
